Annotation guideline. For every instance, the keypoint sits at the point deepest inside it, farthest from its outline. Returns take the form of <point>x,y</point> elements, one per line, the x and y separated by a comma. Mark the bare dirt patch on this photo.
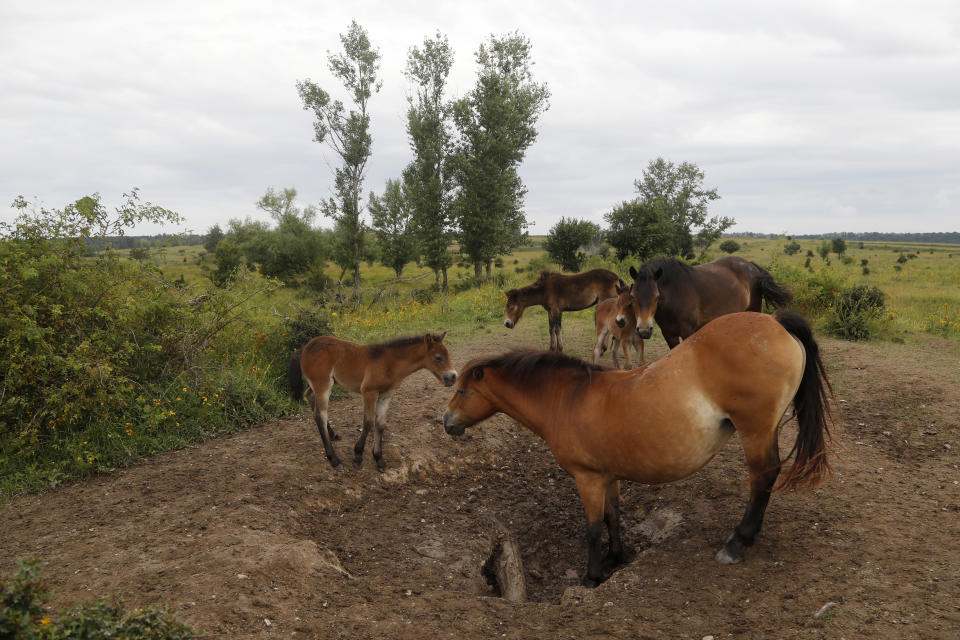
<point>253,535</point>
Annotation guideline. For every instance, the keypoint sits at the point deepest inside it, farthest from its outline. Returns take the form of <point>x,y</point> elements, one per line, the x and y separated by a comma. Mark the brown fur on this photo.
<point>610,313</point>
<point>558,293</point>
<point>665,421</point>
<point>372,370</point>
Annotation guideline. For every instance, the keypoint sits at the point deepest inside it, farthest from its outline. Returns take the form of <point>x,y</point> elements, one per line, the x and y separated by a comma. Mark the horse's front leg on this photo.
<point>672,341</point>
<point>369,417</point>
<point>381,411</point>
<point>556,321</point>
<point>593,488</point>
<point>611,516</point>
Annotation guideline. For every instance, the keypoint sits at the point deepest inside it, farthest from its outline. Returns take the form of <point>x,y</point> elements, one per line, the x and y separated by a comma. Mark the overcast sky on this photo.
<point>808,117</point>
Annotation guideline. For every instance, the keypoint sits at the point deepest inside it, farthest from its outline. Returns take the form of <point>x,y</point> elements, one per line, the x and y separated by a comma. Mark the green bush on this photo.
<point>729,246</point>
<point>23,615</point>
<point>855,312</point>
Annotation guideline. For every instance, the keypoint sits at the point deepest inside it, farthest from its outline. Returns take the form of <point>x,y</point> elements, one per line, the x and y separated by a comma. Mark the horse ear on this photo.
<point>658,273</point>
<point>478,373</point>
<point>622,289</point>
<point>633,272</point>
<point>442,336</point>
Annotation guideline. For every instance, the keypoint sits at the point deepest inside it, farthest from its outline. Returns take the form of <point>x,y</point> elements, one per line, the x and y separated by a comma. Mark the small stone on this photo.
<point>242,576</point>
<point>267,622</point>
<point>536,575</point>
<point>571,574</point>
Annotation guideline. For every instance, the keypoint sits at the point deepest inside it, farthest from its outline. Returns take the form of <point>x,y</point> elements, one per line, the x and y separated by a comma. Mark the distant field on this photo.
<point>923,292</point>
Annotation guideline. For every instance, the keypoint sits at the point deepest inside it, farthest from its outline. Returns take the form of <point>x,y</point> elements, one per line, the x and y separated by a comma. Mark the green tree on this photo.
<point>427,180</point>
<point>392,221</point>
<point>640,229</point>
<point>496,122</point>
<point>567,238</point>
<point>681,193</point>
<point>347,133</point>
<point>791,247</point>
<point>214,235</point>
<point>729,246</point>
<point>824,249</point>
<point>838,245</point>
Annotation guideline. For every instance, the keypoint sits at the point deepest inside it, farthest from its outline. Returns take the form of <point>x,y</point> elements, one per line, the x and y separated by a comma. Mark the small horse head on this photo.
<point>514,309</point>
<point>646,297</point>
<point>624,307</point>
<point>437,360</point>
<point>467,407</point>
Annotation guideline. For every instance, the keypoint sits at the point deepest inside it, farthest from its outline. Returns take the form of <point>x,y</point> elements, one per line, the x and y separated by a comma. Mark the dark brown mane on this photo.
<point>406,341</point>
<point>523,364</point>
<point>673,269</point>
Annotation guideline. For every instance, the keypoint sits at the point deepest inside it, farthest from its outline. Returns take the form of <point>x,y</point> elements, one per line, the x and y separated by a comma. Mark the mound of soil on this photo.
<point>254,535</point>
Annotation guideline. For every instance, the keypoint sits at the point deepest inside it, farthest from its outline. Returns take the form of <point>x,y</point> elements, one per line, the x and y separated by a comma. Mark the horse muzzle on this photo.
<point>449,378</point>
<point>621,322</point>
<point>645,332</point>
<point>508,324</point>
<point>451,425</point>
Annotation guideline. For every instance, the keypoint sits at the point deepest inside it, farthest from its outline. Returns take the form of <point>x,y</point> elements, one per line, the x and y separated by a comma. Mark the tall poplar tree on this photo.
<point>496,122</point>
<point>427,179</point>
<point>347,133</point>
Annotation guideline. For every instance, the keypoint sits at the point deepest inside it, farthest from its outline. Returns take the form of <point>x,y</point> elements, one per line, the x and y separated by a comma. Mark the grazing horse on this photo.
<point>683,298</point>
<point>373,371</point>
<point>558,293</point>
<point>615,318</point>
<point>666,420</point>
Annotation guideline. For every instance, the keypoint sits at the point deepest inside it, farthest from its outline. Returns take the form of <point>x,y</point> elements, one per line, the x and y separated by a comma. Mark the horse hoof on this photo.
<point>381,466</point>
<point>590,583</point>
<point>335,462</point>
<point>724,556</point>
<point>358,461</point>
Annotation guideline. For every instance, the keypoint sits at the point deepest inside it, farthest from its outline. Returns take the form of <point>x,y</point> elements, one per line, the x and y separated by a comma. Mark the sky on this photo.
<point>807,116</point>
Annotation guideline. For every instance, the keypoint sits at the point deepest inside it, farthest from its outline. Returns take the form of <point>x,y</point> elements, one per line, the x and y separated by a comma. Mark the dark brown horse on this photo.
<point>682,298</point>
<point>666,420</point>
<point>558,293</point>
<point>372,370</point>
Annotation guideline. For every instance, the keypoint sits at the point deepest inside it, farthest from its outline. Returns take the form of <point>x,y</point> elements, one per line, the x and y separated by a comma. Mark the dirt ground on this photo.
<point>255,536</point>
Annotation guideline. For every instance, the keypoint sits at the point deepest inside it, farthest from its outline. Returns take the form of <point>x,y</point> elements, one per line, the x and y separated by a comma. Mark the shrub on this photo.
<point>22,615</point>
<point>729,246</point>
<point>791,248</point>
<point>303,327</point>
<point>854,312</point>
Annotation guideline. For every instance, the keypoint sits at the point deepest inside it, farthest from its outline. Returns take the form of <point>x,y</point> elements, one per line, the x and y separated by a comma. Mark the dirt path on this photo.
<point>254,536</point>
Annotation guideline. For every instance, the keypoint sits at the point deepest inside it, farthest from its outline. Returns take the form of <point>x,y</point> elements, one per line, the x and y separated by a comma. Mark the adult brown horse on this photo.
<point>682,298</point>
<point>373,371</point>
<point>666,420</point>
<point>558,293</point>
<point>615,319</point>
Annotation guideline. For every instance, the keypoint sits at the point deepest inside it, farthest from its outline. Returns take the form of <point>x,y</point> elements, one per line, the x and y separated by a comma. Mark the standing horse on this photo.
<point>373,371</point>
<point>615,318</point>
<point>667,420</point>
<point>558,293</point>
<point>683,298</point>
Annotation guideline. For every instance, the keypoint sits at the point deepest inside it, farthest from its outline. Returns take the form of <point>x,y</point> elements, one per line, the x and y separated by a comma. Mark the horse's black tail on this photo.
<point>770,290</point>
<point>810,405</point>
<point>295,377</point>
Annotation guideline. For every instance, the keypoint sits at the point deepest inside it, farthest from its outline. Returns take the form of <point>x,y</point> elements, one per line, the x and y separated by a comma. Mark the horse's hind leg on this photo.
<point>319,399</point>
<point>601,344</point>
<point>763,460</point>
<point>382,403</point>
<point>593,489</point>
<point>369,415</point>
<point>614,346</point>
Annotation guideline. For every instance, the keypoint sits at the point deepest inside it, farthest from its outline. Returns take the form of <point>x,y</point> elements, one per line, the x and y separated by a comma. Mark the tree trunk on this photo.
<point>477,269</point>
<point>444,279</point>
<point>489,268</point>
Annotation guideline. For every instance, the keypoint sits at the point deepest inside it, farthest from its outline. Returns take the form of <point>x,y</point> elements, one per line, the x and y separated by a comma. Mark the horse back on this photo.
<point>326,357</point>
<point>581,290</point>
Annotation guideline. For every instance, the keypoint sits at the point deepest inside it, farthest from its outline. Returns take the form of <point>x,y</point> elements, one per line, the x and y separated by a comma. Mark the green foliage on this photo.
<point>641,230</point>
<point>791,247</point>
<point>393,224</point>
<point>679,191</point>
<point>303,327</point>
<point>348,135</point>
<point>427,179</point>
<point>824,249</point>
<point>23,615</point>
<point>95,349</point>
<point>838,245</point>
<point>213,238</point>
<point>567,238</point>
<point>729,246</point>
<point>855,311</point>
<point>497,124</point>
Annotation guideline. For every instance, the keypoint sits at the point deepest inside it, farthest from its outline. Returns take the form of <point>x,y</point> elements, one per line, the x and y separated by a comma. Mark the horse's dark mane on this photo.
<point>523,364</point>
<point>406,341</point>
<point>673,269</point>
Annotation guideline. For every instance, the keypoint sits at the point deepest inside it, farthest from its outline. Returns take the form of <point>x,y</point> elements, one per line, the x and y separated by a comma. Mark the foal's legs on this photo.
<point>554,319</point>
<point>381,411</point>
<point>763,460</point>
<point>601,345</point>
<point>616,343</point>
<point>369,415</point>
<point>319,400</point>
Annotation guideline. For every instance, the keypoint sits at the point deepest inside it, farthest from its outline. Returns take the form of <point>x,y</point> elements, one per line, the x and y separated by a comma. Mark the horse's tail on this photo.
<point>810,405</point>
<point>295,377</point>
<point>770,290</point>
